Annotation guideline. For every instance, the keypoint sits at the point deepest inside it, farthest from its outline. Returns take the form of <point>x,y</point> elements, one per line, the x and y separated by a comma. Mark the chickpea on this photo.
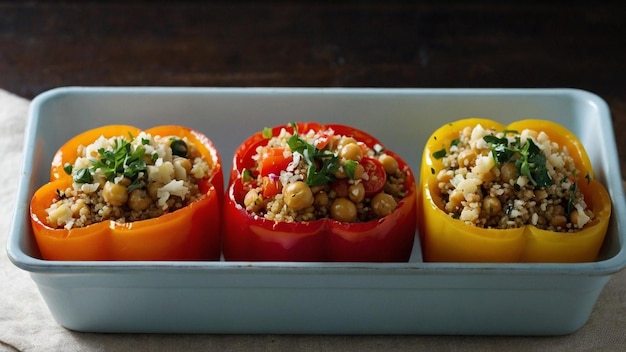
<point>125,182</point>
<point>558,221</point>
<point>317,189</point>
<point>340,188</point>
<point>508,172</point>
<point>139,200</point>
<point>454,201</point>
<point>573,217</point>
<point>359,170</point>
<point>341,173</point>
<point>114,193</point>
<point>252,200</point>
<point>444,177</point>
<point>557,210</point>
<point>147,158</point>
<point>100,179</point>
<point>344,210</point>
<point>491,205</point>
<point>466,158</point>
<point>383,204</point>
<point>389,163</point>
<point>344,141</point>
<point>182,167</point>
<point>298,195</point>
<point>321,199</point>
<point>351,151</point>
<point>488,176</point>
<point>153,189</point>
<point>541,194</point>
<point>456,197</point>
<point>356,192</point>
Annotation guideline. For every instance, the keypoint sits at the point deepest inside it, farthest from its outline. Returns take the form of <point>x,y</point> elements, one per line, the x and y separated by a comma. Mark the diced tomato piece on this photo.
<point>324,137</point>
<point>271,186</point>
<point>376,176</point>
<point>273,161</point>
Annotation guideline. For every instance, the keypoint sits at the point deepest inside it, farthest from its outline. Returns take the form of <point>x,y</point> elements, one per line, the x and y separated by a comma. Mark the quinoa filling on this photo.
<point>127,179</point>
<point>509,179</point>
<point>322,175</point>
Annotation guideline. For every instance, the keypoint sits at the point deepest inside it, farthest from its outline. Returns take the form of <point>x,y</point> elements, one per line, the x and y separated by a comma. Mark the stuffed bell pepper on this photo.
<point>519,193</point>
<point>120,193</point>
<point>312,192</point>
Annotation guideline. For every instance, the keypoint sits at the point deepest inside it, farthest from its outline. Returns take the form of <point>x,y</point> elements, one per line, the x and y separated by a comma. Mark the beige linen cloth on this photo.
<point>27,325</point>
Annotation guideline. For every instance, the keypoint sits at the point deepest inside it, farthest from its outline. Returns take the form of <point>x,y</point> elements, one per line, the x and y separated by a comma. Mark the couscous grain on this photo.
<point>128,178</point>
<point>508,179</point>
<point>309,175</point>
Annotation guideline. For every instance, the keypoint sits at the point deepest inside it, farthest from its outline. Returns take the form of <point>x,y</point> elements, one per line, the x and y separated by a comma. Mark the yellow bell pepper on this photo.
<point>446,239</point>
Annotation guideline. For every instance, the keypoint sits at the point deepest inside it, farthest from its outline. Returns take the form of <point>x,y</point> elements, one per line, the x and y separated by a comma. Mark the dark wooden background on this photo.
<point>318,44</point>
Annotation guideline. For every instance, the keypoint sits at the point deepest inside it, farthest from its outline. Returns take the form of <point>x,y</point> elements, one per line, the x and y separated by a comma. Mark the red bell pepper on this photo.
<point>189,233</point>
<point>248,237</point>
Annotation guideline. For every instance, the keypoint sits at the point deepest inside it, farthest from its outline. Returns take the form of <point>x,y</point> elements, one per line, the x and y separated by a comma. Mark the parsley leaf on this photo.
<point>68,168</point>
<point>572,197</point>
<point>322,165</point>
<point>439,154</point>
<point>120,161</point>
<point>83,176</point>
<point>529,159</point>
<point>536,159</point>
<point>350,166</point>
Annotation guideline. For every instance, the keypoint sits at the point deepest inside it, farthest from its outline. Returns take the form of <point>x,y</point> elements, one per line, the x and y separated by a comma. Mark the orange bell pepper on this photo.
<point>445,239</point>
<point>189,233</point>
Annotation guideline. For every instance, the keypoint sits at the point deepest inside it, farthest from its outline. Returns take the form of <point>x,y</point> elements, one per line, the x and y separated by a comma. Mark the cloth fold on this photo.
<point>27,325</point>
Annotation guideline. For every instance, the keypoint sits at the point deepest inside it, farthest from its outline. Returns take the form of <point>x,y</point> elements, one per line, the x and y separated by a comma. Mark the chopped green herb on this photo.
<point>572,197</point>
<point>135,185</point>
<point>322,165</point>
<point>121,161</point>
<point>246,176</point>
<point>83,176</point>
<point>535,160</point>
<point>454,142</point>
<point>529,159</point>
<point>267,133</point>
<point>349,166</point>
<point>439,154</point>
<point>68,168</point>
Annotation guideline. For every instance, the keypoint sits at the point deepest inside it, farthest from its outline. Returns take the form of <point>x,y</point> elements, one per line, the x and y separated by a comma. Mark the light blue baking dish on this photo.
<point>316,298</point>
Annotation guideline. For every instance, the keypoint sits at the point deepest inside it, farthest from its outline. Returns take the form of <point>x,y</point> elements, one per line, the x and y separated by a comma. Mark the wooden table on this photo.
<point>349,44</point>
